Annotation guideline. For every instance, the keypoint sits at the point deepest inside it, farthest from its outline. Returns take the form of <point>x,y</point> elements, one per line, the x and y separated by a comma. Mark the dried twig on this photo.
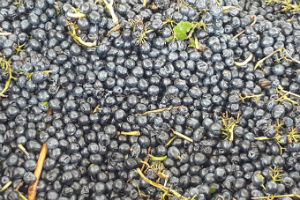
<point>159,110</point>
<point>19,186</point>
<point>243,31</point>
<point>146,159</point>
<point>115,28</point>
<point>32,189</point>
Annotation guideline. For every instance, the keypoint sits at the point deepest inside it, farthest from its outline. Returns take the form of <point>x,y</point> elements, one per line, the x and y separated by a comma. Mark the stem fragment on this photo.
<point>278,196</point>
<point>22,148</point>
<point>284,55</point>
<point>110,9</point>
<point>159,110</point>
<point>77,39</point>
<point>145,3</point>
<point>276,174</point>
<point>7,68</point>
<point>245,62</point>
<point>228,8</point>
<point>243,31</point>
<point>159,186</point>
<point>254,96</point>
<point>158,158</point>
<point>132,133</point>
<point>146,159</point>
<point>237,35</point>
<point>260,62</point>
<point>22,196</point>
<point>6,186</point>
<point>96,109</point>
<point>5,33</point>
<point>140,192</point>
<point>284,95</point>
<point>181,135</point>
<point>32,189</point>
<point>77,13</point>
<point>19,186</point>
<point>229,124</point>
<point>170,141</point>
<point>115,28</point>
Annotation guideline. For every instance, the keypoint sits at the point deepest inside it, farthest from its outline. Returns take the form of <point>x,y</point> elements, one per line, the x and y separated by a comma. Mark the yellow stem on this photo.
<point>22,196</point>
<point>170,141</point>
<point>181,135</point>
<point>159,186</point>
<point>6,186</point>
<point>245,62</point>
<point>22,148</point>
<point>158,158</point>
<point>160,110</point>
<point>262,138</point>
<point>133,133</point>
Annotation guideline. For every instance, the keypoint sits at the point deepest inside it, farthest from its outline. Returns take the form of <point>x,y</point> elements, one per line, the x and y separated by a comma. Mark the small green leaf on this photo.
<point>181,30</point>
<point>46,103</point>
<point>58,11</point>
<point>169,39</point>
<point>192,43</point>
<point>212,189</point>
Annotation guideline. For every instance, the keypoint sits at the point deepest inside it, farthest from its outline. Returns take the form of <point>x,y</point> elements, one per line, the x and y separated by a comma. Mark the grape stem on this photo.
<point>278,196</point>
<point>5,33</point>
<point>110,9</point>
<point>32,189</point>
<point>6,186</point>
<point>145,3</point>
<point>159,110</point>
<point>245,62</point>
<point>181,135</point>
<point>159,186</point>
<point>131,133</point>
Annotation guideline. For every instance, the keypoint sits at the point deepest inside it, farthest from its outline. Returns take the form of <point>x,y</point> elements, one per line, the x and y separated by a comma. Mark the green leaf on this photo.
<point>58,11</point>
<point>169,39</point>
<point>181,30</point>
<point>192,43</point>
<point>212,189</point>
<point>46,103</point>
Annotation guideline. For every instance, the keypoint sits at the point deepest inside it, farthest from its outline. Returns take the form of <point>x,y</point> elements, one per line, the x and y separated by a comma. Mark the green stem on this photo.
<point>110,9</point>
